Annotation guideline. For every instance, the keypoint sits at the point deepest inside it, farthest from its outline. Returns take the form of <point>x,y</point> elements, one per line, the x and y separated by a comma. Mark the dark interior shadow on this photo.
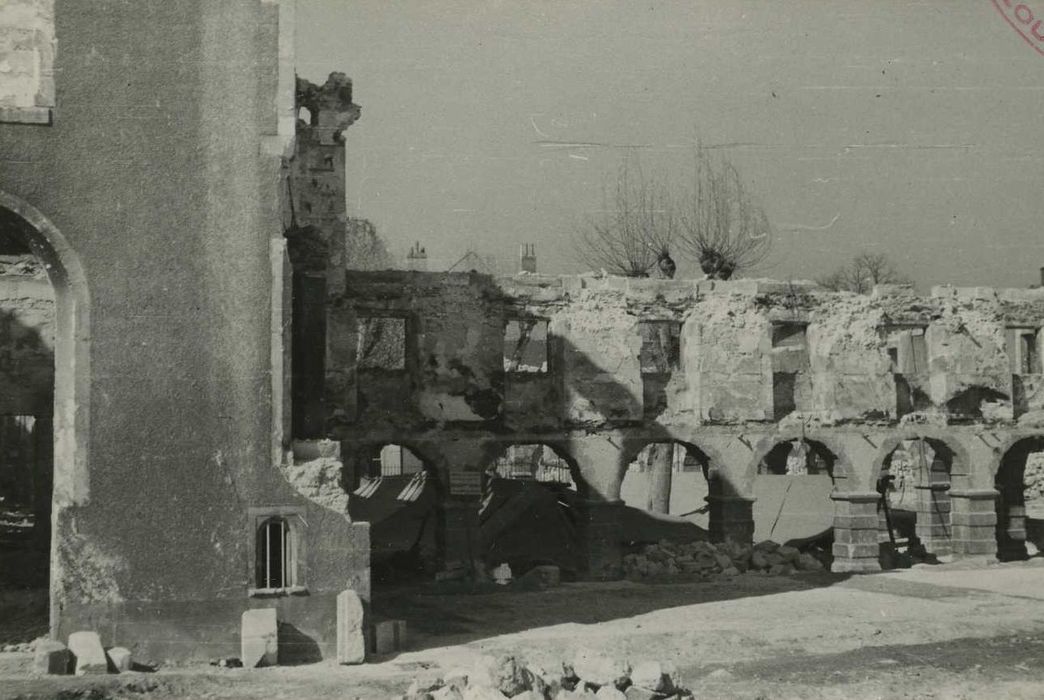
<point>296,647</point>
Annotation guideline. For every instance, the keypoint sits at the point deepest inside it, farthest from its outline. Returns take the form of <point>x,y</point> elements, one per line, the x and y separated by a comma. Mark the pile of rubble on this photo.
<point>1033,477</point>
<point>590,675</point>
<point>706,560</point>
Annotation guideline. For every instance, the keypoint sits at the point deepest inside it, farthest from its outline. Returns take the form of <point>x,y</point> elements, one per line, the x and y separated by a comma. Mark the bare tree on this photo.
<point>723,228</point>
<point>636,229</point>
<point>862,273</point>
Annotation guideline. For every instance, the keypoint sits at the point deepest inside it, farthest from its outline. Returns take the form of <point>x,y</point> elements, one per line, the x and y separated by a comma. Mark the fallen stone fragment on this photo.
<point>351,632</point>
<point>447,692</point>
<point>721,674</point>
<point>259,638</point>
<point>52,657</point>
<point>87,649</point>
<point>482,692</point>
<point>608,692</point>
<point>634,692</point>
<point>599,669</point>
<point>120,658</point>
<point>510,676</point>
<point>651,675</point>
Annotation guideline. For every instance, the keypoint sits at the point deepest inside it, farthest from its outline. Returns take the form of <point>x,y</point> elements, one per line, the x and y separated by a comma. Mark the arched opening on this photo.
<point>43,407</point>
<point>914,513</point>
<point>792,489</point>
<point>1020,506</point>
<point>528,512</point>
<point>665,489</point>
<point>398,494</point>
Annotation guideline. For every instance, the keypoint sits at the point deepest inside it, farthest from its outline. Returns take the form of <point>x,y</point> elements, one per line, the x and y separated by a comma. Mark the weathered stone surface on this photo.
<point>259,638</point>
<point>351,629</point>
<point>600,669</point>
<point>89,654</point>
<point>653,676</point>
<point>482,692</point>
<point>121,659</point>
<point>609,692</point>
<point>52,657</point>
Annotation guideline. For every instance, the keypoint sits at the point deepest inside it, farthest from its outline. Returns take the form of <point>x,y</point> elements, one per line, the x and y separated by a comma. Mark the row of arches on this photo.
<point>666,489</point>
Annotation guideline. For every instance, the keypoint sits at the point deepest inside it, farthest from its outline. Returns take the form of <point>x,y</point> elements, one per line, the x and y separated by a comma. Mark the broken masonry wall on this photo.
<point>732,358</point>
<point>849,372</point>
<point>969,368</point>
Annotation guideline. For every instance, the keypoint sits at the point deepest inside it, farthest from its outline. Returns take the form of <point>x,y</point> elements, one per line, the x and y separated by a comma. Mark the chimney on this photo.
<point>527,258</point>
<point>417,258</point>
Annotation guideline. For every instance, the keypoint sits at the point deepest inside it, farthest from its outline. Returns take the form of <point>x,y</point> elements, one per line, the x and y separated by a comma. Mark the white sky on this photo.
<point>911,128</point>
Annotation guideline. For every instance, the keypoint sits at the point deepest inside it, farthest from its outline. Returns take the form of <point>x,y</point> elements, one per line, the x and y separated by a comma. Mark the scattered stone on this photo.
<point>651,675</point>
<point>609,692</point>
<point>541,577</point>
<point>52,657</point>
<point>120,658</point>
<point>635,692</point>
<point>502,574</point>
<point>447,692</point>
<point>89,654</point>
<point>351,637</point>
<point>807,562</point>
<point>481,692</point>
<point>721,674</point>
<point>704,560</point>
<point>510,676</point>
<point>599,669</point>
<point>259,638</point>
<point>230,662</point>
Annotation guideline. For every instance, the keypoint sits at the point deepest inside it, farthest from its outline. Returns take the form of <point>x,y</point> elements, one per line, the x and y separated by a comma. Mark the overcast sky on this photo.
<point>910,128</point>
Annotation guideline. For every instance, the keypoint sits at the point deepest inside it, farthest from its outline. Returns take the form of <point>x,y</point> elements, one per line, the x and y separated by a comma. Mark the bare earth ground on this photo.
<point>952,631</point>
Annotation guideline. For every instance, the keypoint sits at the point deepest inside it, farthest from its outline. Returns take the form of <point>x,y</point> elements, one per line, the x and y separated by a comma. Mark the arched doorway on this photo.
<point>528,512</point>
<point>1020,506</point>
<point>665,489</point>
<point>915,512</point>
<point>792,489</point>
<point>44,362</point>
<point>398,494</point>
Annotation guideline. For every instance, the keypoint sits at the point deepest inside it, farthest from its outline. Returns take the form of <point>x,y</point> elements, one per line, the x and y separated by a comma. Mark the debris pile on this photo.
<point>705,560</point>
<point>1033,478</point>
<point>590,675</point>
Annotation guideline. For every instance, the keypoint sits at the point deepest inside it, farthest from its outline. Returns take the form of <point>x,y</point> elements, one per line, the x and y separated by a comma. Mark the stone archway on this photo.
<point>1020,504</point>
<point>71,413</point>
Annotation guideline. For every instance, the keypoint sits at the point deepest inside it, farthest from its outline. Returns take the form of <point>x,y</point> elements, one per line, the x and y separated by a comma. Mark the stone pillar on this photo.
<point>856,527</point>
<point>974,524</point>
<point>660,462</point>
<point>600,538</point>
<point>460,532</point>
<point>933,514</point>
<point>731,518</point>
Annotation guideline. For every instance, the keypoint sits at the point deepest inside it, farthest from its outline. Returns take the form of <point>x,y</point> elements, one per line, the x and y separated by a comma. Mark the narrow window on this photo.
<point>789,360</point>
<point>382,343</point>
<point>661,346</point>
<point>1029,355</point>
<point>275,554</point>
<point>525,346</point>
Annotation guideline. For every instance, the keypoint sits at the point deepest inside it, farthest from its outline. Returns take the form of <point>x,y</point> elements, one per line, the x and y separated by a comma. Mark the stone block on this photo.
<point>982,519</point>
<point>856,551</point>
<point>52,657</point>
<point>259,638</point>
<point>351,630</point>
<point>86,648</point>
<point>855,566</point>
<point>383,637</point>
<point>845,536</point>
<point>400,634</point>
<point>857,522</point>
<point>121,659</point>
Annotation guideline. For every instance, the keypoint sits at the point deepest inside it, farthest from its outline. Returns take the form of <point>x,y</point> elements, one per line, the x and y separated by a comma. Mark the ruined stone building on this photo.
<point>229,398</point>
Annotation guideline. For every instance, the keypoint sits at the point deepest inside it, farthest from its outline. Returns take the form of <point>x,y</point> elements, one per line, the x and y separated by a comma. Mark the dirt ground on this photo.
<point>950,631</point>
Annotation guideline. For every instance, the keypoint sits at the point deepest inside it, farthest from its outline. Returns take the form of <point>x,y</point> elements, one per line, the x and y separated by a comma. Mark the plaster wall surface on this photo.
<point>157,171</point>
